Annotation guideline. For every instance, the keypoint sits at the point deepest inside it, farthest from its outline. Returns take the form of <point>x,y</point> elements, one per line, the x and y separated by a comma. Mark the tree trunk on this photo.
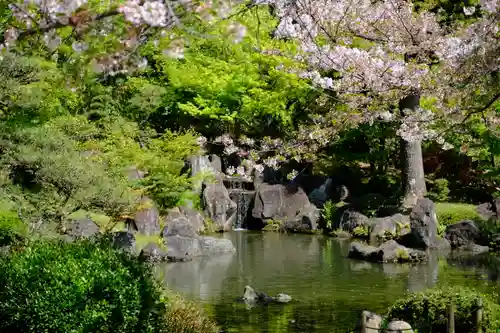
<point>412,173</point>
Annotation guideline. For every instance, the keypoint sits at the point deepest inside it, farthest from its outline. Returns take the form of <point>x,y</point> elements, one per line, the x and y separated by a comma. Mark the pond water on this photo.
<point>329,291</point>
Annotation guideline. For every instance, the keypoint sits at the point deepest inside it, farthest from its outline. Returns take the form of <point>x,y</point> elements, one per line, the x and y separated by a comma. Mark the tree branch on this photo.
<point>57,25</point>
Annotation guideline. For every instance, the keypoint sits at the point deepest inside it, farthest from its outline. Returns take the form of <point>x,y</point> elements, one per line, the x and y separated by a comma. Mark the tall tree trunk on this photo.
<point>412,173</point>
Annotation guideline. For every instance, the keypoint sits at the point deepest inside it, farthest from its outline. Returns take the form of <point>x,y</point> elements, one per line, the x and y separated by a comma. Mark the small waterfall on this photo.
<point>243,199</point>
<point>242,193</point>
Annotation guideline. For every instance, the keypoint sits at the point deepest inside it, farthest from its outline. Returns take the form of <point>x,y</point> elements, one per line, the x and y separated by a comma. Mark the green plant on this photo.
<point>88,287</point>
<point>361,231</point>
<point>12,229</point>
<point>77,287</point>
<point>328,214</point>
<point>439,190</point>
<point>402,255</point>
<point>429,309</point>
<point>449,213</point>
<point>273,225</point>
<point>186,317</point>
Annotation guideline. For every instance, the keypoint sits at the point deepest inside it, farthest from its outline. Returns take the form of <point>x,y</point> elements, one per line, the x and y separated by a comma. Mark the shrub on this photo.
<point>449,213</point>
<point>186,317</point>
<point>12,229</point>
<point>439,190</point>
<point>428,311</point>
<point>82,287</point>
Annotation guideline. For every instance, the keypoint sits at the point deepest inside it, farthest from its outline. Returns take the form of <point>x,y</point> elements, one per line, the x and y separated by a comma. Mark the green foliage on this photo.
<point>450,213</point>
<point>328,214</point>
<point>121,145</point>
<point>50,176</point>
<point>12,228</point>
<point>361,231</point>
<point>439,190</point>
<point>427,311</point>
<point>89,287</point>
<point>78,287</point>
<point>221,86</point>
<point>186,317</point>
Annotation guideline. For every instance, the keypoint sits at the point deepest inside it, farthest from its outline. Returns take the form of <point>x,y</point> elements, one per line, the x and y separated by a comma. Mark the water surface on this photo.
<point>329,291</point>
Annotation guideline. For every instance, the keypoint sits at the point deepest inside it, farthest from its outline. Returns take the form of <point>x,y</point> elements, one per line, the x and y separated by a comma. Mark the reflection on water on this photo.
<point>329,291</point>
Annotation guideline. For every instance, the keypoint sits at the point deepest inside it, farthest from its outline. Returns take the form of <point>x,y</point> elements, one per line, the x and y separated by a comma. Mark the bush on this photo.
<point>12,229</point>
<point>428,312</point>
<point>186,317</point>
<point>82,287</point>
<point>439,190</point>
<point>449,213</point>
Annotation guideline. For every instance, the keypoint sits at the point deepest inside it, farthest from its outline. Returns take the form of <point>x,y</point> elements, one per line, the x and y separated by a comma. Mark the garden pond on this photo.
<point>329,290</point>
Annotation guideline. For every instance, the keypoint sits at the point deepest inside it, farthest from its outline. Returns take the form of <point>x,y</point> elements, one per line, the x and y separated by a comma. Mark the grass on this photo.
<point>101,220</point>
<point>142,240</point>
<point>449,213</point>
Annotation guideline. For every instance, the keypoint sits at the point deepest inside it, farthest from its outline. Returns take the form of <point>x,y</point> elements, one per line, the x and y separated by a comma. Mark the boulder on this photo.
<point>282,298</point>
<point>489,210</point>
<point>389,227</point>
<point>251,296</point>
<point>194,217</point>
<point>82,228</point>
<point>389,251</point>
<point>146,220</point>
<point>321,194</point>
<point>423,224</point>
<point>373,322</point>
<point>399,326</point>
<point>123,240</point>
<point>216,246</point>
<point>177,223</point>
<point>288,204</point>
<point>152,253</point>
<point>306,221</point>
<point>219,207</point>
<point>350,219</point>
<point>182,248</point>
<point>462,234</point>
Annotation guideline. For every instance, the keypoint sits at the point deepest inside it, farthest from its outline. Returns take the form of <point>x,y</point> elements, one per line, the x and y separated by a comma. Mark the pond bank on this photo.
<point>329,290</point>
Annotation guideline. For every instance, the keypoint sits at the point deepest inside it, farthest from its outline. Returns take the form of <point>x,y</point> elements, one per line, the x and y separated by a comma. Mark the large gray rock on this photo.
<point>399,326</point>
<point>215,246</point>
<point>176,223</point>
<point>82,228</point>
<point>489,210</point>
<point>350,220</point>
<point>389,251</point>
<point>390,227</point>
<point>423,224</point>
<point>287,204</point>
<point>181,248</point>
<point>320,195</point>
<point>203,164</point>
<point>373,322</point>
<point>153,253</point>
<point>306,221</point>
<point>462,234</point>
<point>219,207</point>
<point>251,296</point>
<point>146,220</point>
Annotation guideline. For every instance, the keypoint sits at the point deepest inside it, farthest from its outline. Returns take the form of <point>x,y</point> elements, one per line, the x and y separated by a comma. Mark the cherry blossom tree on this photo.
<point>109,31</point>
<point>388,62</point>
